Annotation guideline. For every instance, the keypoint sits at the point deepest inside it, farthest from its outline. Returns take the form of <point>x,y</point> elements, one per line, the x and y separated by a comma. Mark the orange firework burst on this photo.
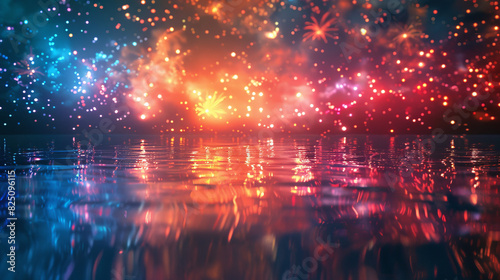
<point>409,32</point>
<point>408,37</point>
<point>319,30</point>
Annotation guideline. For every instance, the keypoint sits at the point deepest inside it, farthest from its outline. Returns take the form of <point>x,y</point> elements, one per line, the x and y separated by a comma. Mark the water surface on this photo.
<point>355,207</point>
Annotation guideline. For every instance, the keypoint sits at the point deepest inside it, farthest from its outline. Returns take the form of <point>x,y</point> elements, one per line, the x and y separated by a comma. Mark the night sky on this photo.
<point>343,66</point>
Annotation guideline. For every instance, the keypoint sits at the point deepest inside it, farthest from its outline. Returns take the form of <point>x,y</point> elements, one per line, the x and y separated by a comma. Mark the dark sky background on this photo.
<point>344,66</point>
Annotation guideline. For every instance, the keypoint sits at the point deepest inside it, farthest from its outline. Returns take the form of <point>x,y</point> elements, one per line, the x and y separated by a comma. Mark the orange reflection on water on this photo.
<point>190,208</point>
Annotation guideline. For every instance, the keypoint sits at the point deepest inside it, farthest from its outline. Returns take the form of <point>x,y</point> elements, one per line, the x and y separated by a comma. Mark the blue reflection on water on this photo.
<point>356,207</point>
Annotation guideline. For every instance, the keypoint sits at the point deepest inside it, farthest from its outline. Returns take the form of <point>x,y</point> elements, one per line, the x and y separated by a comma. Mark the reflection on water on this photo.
<point>227,208</point>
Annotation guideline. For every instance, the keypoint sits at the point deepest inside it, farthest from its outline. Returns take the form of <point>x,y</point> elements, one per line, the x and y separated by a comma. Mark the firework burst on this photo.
<point>209,107</point>
<point>408,37</point>
<point>321,29</point>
